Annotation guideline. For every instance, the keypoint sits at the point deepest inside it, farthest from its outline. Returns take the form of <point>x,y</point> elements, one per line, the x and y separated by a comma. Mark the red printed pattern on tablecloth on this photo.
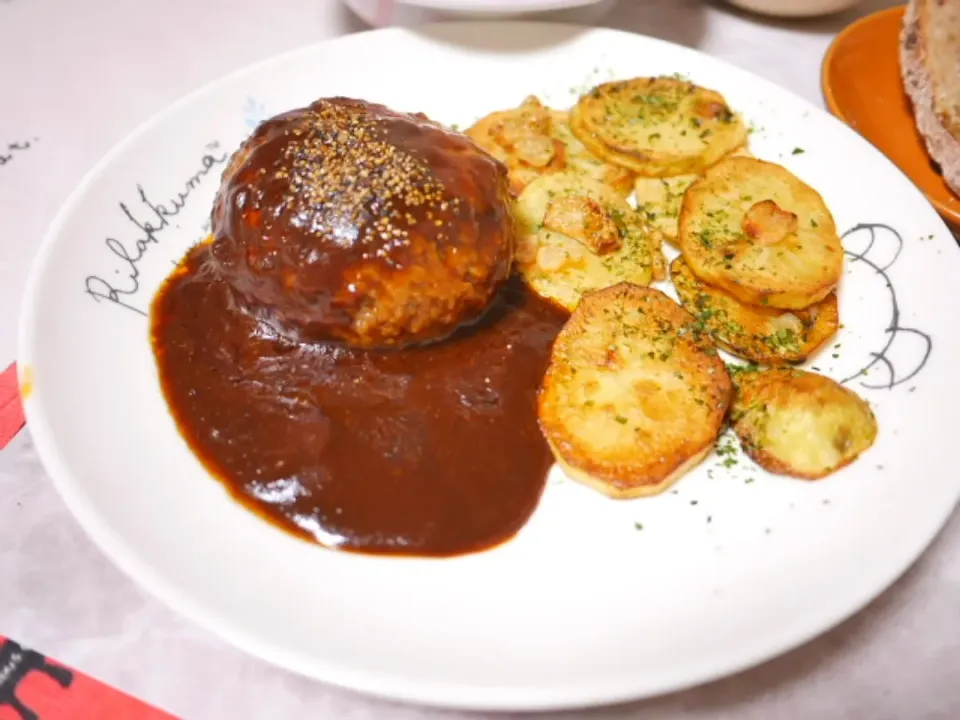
<point>11,409</point>
<point>34,687</point>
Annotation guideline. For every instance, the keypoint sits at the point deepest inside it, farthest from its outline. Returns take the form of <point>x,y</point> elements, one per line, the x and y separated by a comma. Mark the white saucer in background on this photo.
<point>416,12</point>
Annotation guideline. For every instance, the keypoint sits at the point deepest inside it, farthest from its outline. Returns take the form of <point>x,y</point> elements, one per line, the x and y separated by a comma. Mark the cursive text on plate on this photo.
<point>150,218</point>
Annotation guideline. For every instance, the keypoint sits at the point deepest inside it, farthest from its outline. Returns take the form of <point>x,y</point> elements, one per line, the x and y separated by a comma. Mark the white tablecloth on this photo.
<point>75,77</point>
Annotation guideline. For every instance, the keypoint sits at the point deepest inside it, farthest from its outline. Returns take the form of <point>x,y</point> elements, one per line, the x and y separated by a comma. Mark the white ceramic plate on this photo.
<point>595,600</point>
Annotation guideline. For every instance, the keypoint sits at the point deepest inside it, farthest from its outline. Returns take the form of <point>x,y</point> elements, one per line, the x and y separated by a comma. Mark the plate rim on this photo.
<point>422,692</point>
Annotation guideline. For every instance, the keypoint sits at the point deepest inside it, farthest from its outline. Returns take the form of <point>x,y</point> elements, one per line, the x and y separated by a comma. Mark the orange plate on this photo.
<point>862,86</point>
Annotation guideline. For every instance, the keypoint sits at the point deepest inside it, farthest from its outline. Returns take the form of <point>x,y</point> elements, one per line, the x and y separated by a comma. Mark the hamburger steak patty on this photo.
<point>348,221</point>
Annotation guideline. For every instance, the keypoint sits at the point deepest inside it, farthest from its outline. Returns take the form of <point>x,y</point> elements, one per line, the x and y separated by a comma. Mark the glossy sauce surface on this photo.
<point>432,450</point>
<point>346,220</point>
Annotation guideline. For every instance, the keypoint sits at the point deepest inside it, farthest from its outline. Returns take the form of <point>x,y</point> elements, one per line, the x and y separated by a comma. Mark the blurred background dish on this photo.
<point>414,12</point>
<point>795,8</point>
<point>862,86</point>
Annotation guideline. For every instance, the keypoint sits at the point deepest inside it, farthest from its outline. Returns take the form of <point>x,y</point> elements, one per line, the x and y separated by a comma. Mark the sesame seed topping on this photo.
<point>343,172</point>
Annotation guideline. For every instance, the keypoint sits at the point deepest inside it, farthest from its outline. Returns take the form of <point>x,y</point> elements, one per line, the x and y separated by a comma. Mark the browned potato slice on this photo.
<point>585,162</point>
<point>520,139</point>
<point>576,235</point>
<point>632,398</point>
<point>755,230</point>
<point>761,334</point>
<point>798,423</point>
<point>657,126</point>
<point>660,198</point>
<point>533,140</point>
<point>585,220</point>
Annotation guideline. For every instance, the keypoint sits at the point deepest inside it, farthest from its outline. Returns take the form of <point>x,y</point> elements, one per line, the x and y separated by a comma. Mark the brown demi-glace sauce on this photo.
<point>433,450</point>
<point>347,354</point>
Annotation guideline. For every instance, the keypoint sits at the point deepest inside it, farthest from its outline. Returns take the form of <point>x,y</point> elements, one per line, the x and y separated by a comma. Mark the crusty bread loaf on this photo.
<point>930,66</point>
